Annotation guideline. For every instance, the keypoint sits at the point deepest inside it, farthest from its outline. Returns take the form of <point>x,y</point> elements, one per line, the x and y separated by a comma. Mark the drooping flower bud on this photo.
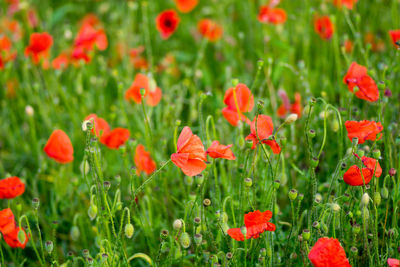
<point>92,211</point>
<point>129,230</point>
<point>291,118</point>
<point>74,233</point>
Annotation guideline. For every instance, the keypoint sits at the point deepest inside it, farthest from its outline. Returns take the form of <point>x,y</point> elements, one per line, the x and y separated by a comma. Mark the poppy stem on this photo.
<point>147,33</point>
<point>31,235</point>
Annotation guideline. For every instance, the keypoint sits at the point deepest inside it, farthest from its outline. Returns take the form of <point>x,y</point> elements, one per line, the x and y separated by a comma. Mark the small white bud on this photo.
<point>291,118</point>
<point>84,125</point>
<point>365,200</point>
<point>177,224</point>
<point>29,111</point>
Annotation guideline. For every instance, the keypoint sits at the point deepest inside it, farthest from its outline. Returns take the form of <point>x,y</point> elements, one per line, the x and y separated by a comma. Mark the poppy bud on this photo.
<point>354,250</point>
<point>335,125</point>
<point>21,236</point>
<point>350,214</point>
<point>335,207</point>
<point>197,239</point>
<point>377,198</point>
<point>235,82</point>
<point>314,162</point>
<point>243,229</point>
<point>118,206</point>
<point>199,179</point>
<point>49,246</point>
<point>291,118</point>
<point>177,224</point>
<point>358,213</point>
<point>260,63</point>
<point>29,111</point>
<point>260,106</point>
<point>316,225</point>
<point>277,183</point>
<point>35,203</point>
<point>318,198</point>
<point>206,202</point>
<point>306,234</point>
<point>365,200</point>
<point>292,194</point>
<point>184,240</point>
<point>300,197</point>
<point>311,133</point>
<point>248,182</point>
<point>129,230</point>
<point>142,92</point>
<point>384,193</point>
<point>324,228</point>
<point>376,153</point>
<point>74,233</point>
<point>92,211</point>
<point>346,197</point>
<point>365,213</point>
<point>188,180</point>
<point>106,185</point>
<point>104,257</point>
<point>392,172</point>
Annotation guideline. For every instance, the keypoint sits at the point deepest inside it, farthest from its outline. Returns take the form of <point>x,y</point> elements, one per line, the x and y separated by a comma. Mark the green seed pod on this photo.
<point>360,153</point>
<point>358,213</point>
<point>314,162</point>
<point>292,194</point>
<point>293,255</point>
<point>356,228</point>
<point>306,234</point>
<point>249,144</point>
<point>192,196</point>
<point>335,207</point>
<point>224,217</point>
<point>311,133</point>
<point>184,240</point>
<point>277,183</point>
<point>376,153</point>
<point>199,179</point>
<point>49,246</point>
<point>92,211</point>
<point>316,225</point>
<point>164,234</point>
<point>269,252</point>
<point>188,180</point>
<point>324,228</point>
<point>206,202</point>
<point>164,247</point>
<point>21,236</point>
<point>300,197</point>
<point>377,198</point>
<point>248,182</point>
<point>384,193</point>
<point>129,230</point>
<point>354,250</point>
<point>198,238</point>
<point>260,63</point>
<point>74,233</point>
<point>85,253</point>
<point>104,258</point>
<point>350,214</point>
<point>197,221</point>
<point>229,256</point>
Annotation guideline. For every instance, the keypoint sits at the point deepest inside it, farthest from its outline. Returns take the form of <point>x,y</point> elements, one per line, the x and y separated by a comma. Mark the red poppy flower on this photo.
<point>327,252</point>
<point>216,150</point>
<point>39,46</point>
<point>11,187</point>
<point>143,161</point>
<point>115,138</point>
<point>272,15</point>
<point>353,175</point>
<point>363,130</point>
<point>245,103</point>
<point>395,36</point>
<point>7,223</point>
<point>167,22</point>
<point>347,3</point>
<point>393,262</point>
<point>357,77</point>
<point>152,93</point>
<point>190,155</point>
<point>90,19</point>
<point>100,125</point>
<point>60,62</point>
<point>210,30</point>
<point>265,129</point>
<point>59,147</point>
<point>348,46</point>
<point>286,107</point>
<point>12,238</point>
<point>185,6</point>
<point>256,223</point>
<point>6,54</point>
<point>324,27</point>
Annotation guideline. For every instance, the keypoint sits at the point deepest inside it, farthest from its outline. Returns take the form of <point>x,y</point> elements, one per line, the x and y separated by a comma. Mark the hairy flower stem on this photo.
<point>32,242</point>
<point>148,133</point>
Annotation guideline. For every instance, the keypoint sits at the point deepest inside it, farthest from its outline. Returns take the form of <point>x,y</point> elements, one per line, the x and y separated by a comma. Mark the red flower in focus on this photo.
<point>152,93</point>
<point>353,175</point>
<point>143,161</point>
<point>327,252</point>
<point>185,6</point>
<point>7,223</point>
<point>286,107</point>
<point>324,27</point>
<point>366,87</point>
<point>39,46</point>
<point>393,262</point>
<point>395,36</point>
<point>190,156</point>
<point>216,150</point>
<point>210,30</point>
<point>272,15</point>
<point>12,238</point>
<point>11,187</point>
<point>167,22</point>
<point>100,125</point>
<point>363,130</point>
<point>256,223</point>
<point>115,138</point>
<point>59,147</point>
<point>347,3</point>
<point>245,103</point>
<point>60,62</point>
<point>265,129</point>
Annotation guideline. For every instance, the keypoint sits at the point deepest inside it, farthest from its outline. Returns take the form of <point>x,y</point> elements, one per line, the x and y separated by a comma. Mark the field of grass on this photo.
<point>199,133</point>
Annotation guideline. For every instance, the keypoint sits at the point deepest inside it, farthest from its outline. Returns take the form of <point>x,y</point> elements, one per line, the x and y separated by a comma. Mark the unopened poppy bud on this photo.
<point>300,197</point>
<point>314,162</point>
<point>392,172</point>
<point>316,225</point>
<point>198,238</point>
<point>177,224</point>
<point>277,183</point>
<point>365,200</point>
<point>29,111</point>
<point>142,91</point>
<point>119,206</point>
<point>306,234</point>
<point>184,240</point>
<point>335,207</point>
<point>92,211</point>
<point>129,229</point>
<point>292,194</point>
<point>248,182</point>
<point>197,221</point>
<point>324,228</point>
<point>318,198</point>
<point>188,180</point>
<point>365,213</point>
<point>199,179</point>
<point>376,153</point>
<point>178,122</point>
<point>354,250</point>
<point>206,202</point>
<point>224,217</point>
<point>377,198</point>
<point>384,193</point>
<point>235,82</point>
<point>74,233</point>
<point>164,234</point>
<point>291,118</point>
<point>335,125</point>
<point>106,185</point>
<point>21,236</point>
<point>311,133</point>
<point>49,246</point>
<point>35,203</point>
